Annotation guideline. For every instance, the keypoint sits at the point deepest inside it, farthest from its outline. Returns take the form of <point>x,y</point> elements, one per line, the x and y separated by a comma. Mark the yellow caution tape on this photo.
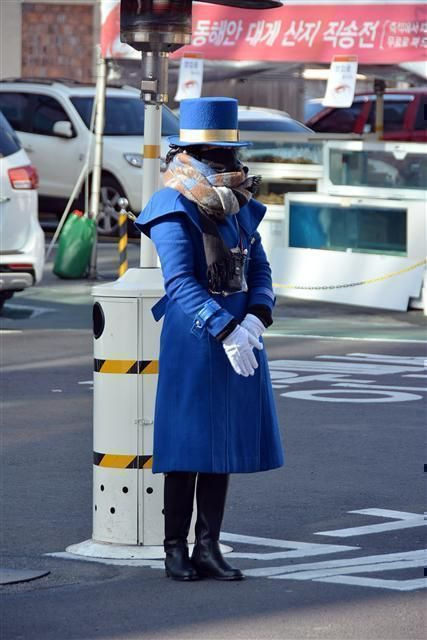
<point>120,461</point>
<point>353,284</point>
<point>126,366</point>
<point>116,461</point>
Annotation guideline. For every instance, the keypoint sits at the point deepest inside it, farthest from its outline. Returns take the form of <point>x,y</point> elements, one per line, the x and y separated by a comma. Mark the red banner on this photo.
<point>375,33</point>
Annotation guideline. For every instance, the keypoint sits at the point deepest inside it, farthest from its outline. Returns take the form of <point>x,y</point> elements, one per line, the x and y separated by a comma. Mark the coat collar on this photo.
<point>169,200</point>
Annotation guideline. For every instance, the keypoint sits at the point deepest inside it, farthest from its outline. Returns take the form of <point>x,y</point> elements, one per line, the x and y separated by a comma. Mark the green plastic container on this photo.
<point>75,247</point>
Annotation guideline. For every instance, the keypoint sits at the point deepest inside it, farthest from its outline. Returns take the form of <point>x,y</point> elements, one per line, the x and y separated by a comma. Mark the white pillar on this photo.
<point>151,172</point>
<point>95,195</point>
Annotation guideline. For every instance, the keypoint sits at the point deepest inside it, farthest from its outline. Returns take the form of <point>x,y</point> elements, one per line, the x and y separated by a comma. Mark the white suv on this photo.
<point>52,119</point>
<point>21,237</point>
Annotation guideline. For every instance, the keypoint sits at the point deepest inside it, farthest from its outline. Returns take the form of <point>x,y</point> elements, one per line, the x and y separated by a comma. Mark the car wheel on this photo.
<point>108,216</point>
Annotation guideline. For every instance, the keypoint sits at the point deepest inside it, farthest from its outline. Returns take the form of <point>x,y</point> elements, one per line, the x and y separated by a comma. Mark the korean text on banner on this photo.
<point>375,33</point>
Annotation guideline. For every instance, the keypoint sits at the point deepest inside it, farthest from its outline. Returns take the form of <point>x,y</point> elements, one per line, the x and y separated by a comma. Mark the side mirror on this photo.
<point>63,129</point>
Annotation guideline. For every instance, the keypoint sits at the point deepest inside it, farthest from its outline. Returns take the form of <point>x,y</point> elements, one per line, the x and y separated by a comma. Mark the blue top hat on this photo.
<point>211,121</point>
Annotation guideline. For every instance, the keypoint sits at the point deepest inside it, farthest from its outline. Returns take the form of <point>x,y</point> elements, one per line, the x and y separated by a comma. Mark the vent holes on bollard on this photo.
<point>125,489</point>
<point>149,489</point>
<point>102,487</point>
<point>112,510</point>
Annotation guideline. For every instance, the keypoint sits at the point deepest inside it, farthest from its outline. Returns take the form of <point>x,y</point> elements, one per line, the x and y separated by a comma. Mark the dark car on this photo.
<point>405,116</point>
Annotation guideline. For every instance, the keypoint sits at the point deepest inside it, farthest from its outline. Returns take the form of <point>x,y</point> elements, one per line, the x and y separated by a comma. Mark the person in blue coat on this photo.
<point>215,411</point>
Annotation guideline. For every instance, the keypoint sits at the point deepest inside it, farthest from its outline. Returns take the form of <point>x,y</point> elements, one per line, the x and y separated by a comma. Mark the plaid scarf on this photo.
<point>216,194</point>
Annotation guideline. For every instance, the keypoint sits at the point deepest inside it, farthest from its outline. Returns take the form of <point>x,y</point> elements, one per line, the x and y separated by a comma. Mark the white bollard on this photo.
<point>127,496</point>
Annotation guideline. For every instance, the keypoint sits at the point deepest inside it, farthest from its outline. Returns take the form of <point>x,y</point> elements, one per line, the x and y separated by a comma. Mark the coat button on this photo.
<point>198,324</point>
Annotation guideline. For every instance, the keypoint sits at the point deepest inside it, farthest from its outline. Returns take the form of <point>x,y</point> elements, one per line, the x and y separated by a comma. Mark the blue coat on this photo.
<point>208,418</point>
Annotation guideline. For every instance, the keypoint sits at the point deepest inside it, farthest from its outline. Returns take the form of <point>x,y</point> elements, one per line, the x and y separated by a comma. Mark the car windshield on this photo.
<point>124,116</point>
<point>9,142</point>
<point>285,124</point>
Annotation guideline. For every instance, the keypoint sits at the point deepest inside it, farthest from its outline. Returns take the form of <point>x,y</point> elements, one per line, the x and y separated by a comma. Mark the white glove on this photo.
<point>253,324</point>
<point>239,347</point>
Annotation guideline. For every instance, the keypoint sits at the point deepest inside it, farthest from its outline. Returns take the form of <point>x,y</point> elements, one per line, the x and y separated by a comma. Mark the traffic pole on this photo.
<point>379,88</point>
<point>101,81</point>
<point>123,236</point>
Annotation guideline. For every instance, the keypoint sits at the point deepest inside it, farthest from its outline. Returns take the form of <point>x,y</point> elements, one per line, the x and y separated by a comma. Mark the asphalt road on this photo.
<point>331,543</point>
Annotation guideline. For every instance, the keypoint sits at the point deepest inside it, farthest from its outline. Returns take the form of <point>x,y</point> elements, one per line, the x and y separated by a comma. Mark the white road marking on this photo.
<point>281,380</point>
<point>342,367</point>
<point>295,378</point>
<point>6,332</point>
<point>338,571</point>
<point>387,396</point>
<point>298,549</point>
<point>421,360</point>
<point>406,521</point>
<point>367,564</point>
<point>380,386</point>
<point>387,513</point>
<point>418,361</point>
<point>414,375</point>
<point>35,311</point>
<point>121,562</point>
<point>350,338</point>
<point>50,363</point>
<point>378,583</point>
<point>325,568</point>
<point>340,374</point>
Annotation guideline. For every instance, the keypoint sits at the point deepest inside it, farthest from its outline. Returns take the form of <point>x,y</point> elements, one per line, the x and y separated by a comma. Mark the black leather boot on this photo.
<point>207,557</point>
<point>178,509</point>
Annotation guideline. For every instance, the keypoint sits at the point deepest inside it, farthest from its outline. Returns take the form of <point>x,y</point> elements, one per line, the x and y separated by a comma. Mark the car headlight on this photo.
<point>135,159</point>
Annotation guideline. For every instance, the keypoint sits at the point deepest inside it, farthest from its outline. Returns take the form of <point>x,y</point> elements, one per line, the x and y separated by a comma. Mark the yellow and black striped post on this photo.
<point>127,496</point>
<point>123,237</point>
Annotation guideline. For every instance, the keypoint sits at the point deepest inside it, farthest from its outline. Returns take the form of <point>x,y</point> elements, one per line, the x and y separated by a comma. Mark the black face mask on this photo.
<point>221,159</point>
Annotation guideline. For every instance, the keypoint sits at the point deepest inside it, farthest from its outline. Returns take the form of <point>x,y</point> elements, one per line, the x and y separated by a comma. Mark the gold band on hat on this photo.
<point>209,135</point>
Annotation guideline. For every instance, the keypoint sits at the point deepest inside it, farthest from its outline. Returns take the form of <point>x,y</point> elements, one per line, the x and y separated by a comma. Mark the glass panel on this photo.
<point>363,229</point>
<point>285,124</point>
<point>9,142</point>
<point>46,112</point>
<point>421,120</point>
<point>282,152</point>
<point>339,120</point>
<point>125,116</point>
<point>379,169</point>
<point>14,107</point>
<point>274,191</point>
<point>394,114</point>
